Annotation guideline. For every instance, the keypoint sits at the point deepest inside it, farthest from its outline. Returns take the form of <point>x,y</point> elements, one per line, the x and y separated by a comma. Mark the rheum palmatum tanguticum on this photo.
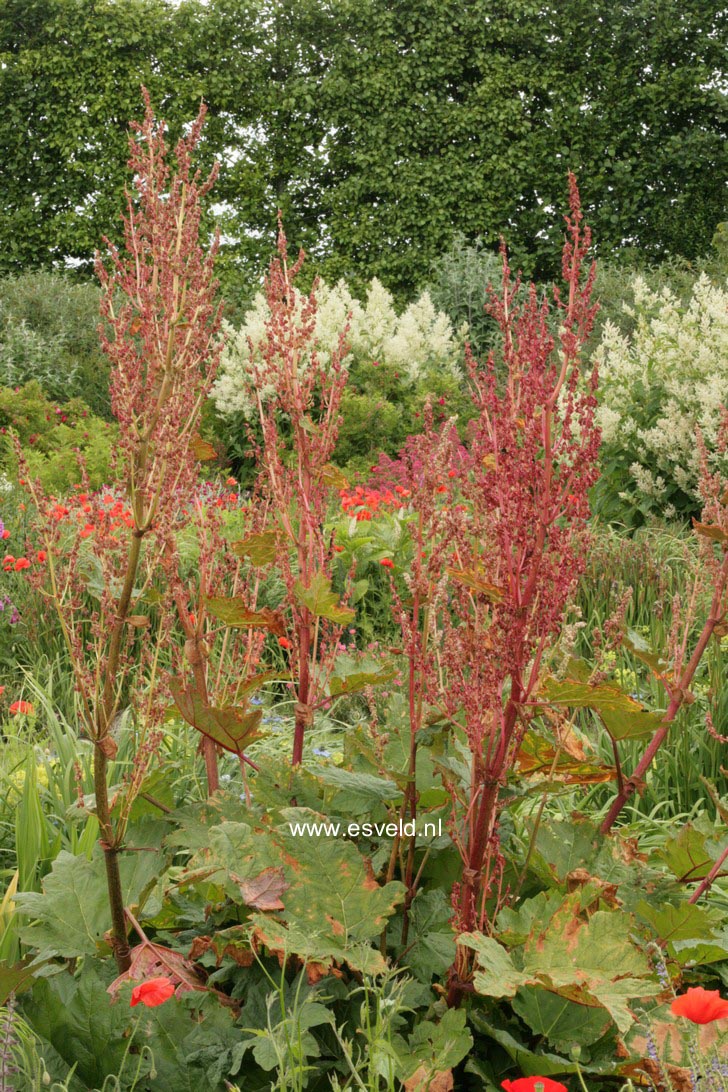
<point>205,576</point>
<point>682,660</point>
<point>298,396</point>
<point>161,336</point>
<point>515,553</point>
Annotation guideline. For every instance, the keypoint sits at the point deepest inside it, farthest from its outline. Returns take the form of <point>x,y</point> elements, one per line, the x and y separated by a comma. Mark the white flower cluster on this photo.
<point>418,339</point>
<point>663,382</point>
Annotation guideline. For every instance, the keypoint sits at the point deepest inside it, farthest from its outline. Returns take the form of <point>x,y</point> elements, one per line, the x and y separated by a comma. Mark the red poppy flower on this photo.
<point>22,707</point>
<point>21,563</point>
<point>155,991</point>
<point>284,642</point>
<point>387,563</point>
<point>531,1084</point>
<point>5,534</point>
<point>700,1006</point>
<point>42,555</point>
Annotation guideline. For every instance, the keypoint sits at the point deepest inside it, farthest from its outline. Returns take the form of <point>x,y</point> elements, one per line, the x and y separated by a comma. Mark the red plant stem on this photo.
<point>707,882</point>
<point>410,798</point>
<point>194,656</point>
<point>302,717</point>
<point>108,836</point>
<point>678,698</point>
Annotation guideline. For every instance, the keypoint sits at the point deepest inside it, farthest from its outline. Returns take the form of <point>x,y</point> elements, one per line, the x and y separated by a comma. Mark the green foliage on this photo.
<point>53,436</point>
<point>383,131</point>
<point>49,332</point>
<point>69,918</point>
<point>458,285</point>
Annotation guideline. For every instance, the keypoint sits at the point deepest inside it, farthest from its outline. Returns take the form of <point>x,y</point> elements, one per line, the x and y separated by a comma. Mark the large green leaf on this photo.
<point>260,548</point>
<point>233,727</point>
<point>590,960</point>
<point>236,613</point>
<point>71,915</point>
<point>538,1062</point>
<point>691,853</point>
<point>75,1017</point>
<point>358,680</point>
<point>357,793</point>
<point>434,1047</point>
<point>623,716</point>
<point>333,906</point>
<point>564,1023</point>
<point>687,928</point>
<point>321,600</point>
<point>639,647</point>
<point>430,949</point>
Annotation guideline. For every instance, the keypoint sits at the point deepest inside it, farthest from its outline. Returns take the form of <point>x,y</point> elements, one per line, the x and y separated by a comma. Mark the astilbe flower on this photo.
<point>298,398</point>
<point>516,552</point>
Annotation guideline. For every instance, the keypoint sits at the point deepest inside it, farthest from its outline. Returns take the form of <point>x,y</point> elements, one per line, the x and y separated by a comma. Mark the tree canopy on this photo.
<point>380,128</point>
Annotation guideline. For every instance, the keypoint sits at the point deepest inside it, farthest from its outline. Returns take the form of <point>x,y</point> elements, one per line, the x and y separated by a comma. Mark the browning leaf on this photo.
<point>234,728</point>
<point>265,890</point>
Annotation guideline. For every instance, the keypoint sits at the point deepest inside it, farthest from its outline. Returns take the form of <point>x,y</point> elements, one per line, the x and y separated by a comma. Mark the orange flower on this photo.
<point>284,642</point>
<point>700,1006</point>
<point>25,707</point>
<point>87,530</point>
<point>155,991</point>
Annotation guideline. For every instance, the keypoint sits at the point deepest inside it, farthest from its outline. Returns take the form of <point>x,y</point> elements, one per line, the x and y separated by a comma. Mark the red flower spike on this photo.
<point>155,991</point>
<point>700,1006</point>
<point>533,1084</point>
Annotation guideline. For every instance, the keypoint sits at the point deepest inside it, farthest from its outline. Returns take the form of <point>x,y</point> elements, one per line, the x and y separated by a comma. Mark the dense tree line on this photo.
<point>381,128</point>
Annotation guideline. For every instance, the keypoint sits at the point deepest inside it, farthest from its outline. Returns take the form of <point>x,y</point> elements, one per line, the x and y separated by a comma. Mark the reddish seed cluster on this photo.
<point>363,503</point>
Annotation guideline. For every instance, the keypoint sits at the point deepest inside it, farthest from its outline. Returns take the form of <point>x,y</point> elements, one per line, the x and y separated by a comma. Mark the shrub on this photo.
<point>459,287</point>
<point>658,385</point>
<point>49,332</point>
<point>52,436</point>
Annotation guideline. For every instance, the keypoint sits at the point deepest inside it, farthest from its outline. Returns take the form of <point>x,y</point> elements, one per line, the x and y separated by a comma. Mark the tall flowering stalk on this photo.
<point>516,552</point>
<point>712,574</point>
<point>221,660</point>
<point>423,473</point>
<point>161,336</point>
<point>298,396</point>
